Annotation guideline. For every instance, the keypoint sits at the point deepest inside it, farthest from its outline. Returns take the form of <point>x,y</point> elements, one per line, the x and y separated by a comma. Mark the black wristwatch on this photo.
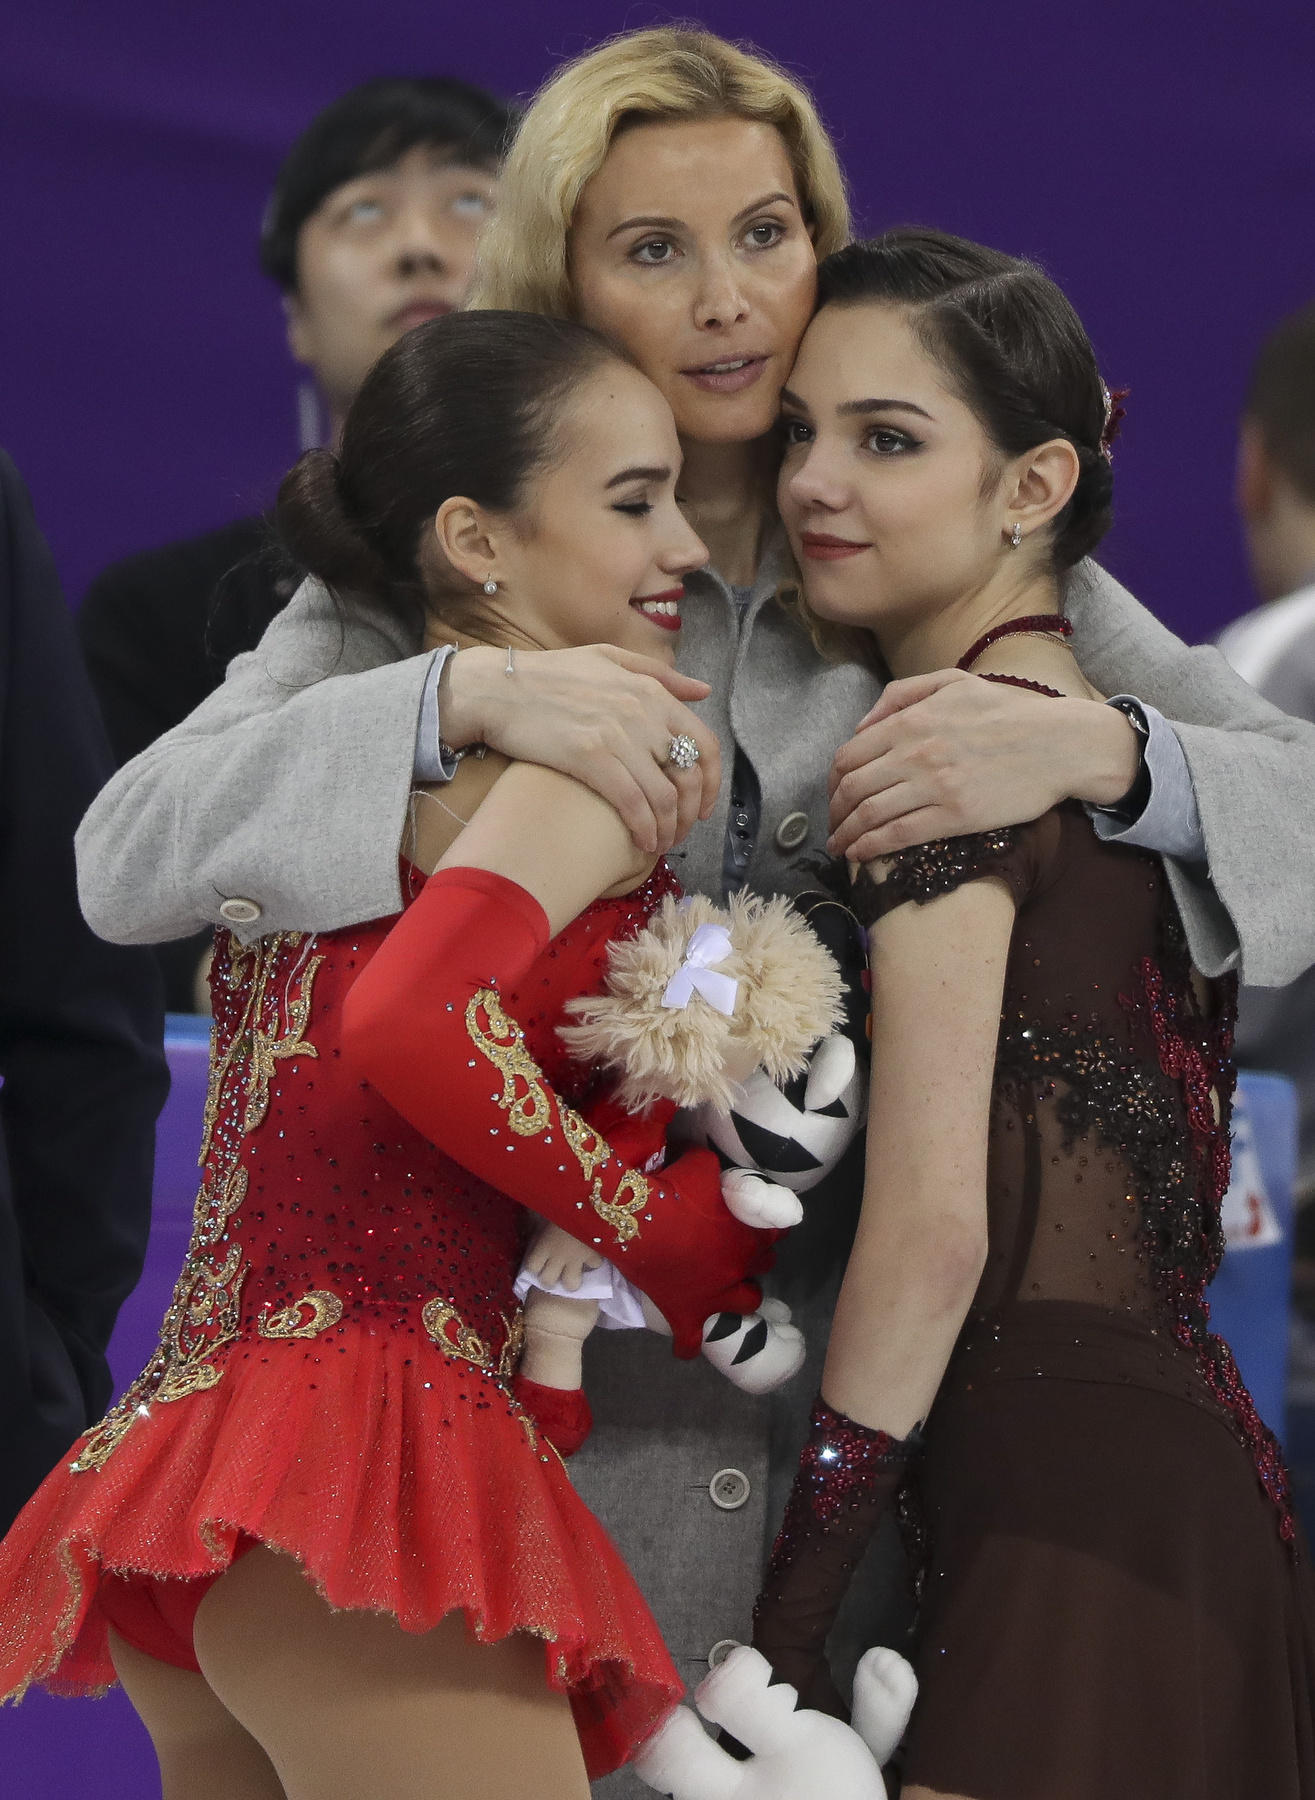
<point>1129,809</point>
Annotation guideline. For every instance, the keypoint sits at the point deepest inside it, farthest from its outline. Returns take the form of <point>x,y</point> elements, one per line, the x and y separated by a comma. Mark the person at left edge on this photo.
<point>80,1039</point>
<point>370,230</point>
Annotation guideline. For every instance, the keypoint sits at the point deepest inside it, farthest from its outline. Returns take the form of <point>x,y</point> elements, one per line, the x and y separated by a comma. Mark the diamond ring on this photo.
<point>684,752</point>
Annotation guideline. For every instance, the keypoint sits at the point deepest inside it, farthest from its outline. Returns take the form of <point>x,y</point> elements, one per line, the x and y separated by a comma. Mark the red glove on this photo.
<point>424,1025</point>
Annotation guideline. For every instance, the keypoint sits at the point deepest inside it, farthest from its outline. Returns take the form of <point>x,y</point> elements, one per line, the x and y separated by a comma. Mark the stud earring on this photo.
<point>490,586</point>
<point>1016,538</point>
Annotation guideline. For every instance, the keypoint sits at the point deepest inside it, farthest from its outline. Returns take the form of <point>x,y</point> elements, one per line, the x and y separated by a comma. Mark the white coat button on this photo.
<point>238,911</point>
<point>729,1489</point>
<point>792,831</point>
<point>721,1650</point>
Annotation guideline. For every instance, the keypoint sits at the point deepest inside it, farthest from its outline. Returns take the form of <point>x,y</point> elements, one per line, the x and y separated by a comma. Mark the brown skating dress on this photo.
<point>1118,1602</point>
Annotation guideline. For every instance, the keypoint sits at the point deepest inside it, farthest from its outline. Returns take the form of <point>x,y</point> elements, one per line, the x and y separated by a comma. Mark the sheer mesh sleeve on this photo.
<point>1013,854</point>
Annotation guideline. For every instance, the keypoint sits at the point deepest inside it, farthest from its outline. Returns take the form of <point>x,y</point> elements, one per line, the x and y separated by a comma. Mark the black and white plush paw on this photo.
<point>794,1135</point>
<point>756,1351</point>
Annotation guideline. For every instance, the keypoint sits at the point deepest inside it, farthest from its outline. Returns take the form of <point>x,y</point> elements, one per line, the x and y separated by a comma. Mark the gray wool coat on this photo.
<point>288,788</point>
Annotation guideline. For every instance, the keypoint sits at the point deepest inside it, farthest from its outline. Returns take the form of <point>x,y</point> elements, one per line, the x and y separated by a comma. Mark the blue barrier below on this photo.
<point>1249,1296</point>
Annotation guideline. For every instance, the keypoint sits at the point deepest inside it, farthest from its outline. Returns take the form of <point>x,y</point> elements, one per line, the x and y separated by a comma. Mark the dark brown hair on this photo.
<point>467,404</point>
<point>1281,399</point>
<point>1009,341</point>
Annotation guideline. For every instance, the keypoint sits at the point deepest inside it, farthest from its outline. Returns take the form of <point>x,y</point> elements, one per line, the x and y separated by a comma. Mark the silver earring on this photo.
<point>490,586</point>
<point>1016,539</point>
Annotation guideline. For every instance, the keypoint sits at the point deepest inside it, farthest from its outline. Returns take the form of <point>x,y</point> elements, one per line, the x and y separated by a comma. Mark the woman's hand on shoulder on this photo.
<point>948,753</point>
<point>601,715</point>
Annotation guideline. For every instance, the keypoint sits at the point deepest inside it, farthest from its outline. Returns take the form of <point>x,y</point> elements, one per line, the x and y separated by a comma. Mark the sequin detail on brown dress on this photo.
<point>1117,1599</point>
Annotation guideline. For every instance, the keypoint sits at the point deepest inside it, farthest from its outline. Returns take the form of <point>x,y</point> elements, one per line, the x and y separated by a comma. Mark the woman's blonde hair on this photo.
<point>669,74</point>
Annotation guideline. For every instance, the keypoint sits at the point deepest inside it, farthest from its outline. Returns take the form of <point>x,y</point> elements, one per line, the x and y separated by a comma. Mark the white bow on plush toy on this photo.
<point>709,944</point>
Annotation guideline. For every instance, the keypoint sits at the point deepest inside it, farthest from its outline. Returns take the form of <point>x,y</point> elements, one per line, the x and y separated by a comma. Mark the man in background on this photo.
<point>1274,649</point>
<point>82,1071</point>
<point>371,229</point>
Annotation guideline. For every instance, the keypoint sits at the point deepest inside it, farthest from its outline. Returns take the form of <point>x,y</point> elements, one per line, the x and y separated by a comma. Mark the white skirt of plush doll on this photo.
<point>568,1288</point>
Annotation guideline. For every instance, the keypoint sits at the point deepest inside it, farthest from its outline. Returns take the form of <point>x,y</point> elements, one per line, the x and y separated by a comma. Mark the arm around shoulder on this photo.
<point>1252,767</point>
<point>288,787</point>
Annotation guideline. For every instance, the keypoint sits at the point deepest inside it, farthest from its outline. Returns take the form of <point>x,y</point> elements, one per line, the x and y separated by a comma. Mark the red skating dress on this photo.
<point>333,1376</point>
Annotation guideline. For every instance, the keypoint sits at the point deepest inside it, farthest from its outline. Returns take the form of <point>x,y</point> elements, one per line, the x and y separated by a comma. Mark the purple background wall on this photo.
<point>1159,158</point>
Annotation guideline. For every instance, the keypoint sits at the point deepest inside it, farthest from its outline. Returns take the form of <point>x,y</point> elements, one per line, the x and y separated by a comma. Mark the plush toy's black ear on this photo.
<point>837,929</point>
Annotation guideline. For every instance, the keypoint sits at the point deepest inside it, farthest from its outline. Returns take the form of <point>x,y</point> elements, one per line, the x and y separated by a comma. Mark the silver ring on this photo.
<point>684,752</point>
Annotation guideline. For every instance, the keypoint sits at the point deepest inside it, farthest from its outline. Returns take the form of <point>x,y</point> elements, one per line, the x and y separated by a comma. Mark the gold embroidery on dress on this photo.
<point>304,1318</point>
<point>504,1044</point>
<point>282,1041</point>
<point>217,1199</point>
<point>267,1034</point>
<point>437,1315</point>
<point>512,1345</point>
<point>589,1149</point>
<point>531,1112</point>
<point>619,1212</point>
<point>205,1313</point>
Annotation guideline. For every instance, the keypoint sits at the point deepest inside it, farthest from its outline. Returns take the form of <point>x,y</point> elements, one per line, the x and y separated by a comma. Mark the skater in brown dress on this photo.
<point>1116,1596</point>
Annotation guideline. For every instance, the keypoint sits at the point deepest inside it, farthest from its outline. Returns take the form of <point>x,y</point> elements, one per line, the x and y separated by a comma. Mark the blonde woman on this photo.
<point>675,191</point>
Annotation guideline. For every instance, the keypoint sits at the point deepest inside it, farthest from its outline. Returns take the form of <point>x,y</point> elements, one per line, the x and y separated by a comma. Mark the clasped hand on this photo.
<point>949,753</point>
<point>938,756</point>
<point>603,715</point>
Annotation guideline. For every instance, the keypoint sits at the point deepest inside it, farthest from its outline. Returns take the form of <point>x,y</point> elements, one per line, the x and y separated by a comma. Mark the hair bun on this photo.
<point>317,530</point>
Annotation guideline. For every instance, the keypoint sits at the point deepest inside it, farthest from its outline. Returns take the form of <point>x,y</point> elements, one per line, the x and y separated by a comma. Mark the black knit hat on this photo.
<point>371,128</point>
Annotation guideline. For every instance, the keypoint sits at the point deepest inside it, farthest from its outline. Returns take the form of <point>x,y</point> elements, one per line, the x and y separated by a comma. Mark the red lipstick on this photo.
<point>666,621</point>
<point>821,546</point>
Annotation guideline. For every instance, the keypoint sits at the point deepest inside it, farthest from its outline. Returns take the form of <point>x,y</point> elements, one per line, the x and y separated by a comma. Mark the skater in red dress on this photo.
<point>326,1539</point>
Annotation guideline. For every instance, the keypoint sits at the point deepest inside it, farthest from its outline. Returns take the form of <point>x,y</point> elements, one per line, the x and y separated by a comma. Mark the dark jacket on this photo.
<point>81,1028</point>
<point>158,631</point>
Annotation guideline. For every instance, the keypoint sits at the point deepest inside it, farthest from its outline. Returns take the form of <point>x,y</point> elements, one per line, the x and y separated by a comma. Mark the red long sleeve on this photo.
<point>424,1025</point>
